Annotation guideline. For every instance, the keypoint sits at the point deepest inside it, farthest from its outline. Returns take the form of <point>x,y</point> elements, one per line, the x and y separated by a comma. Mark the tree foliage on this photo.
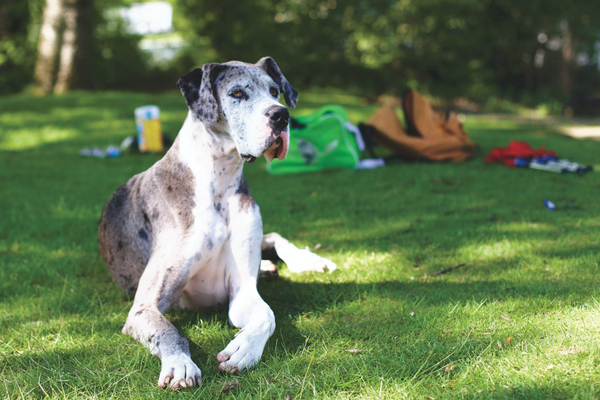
<point>18,39</point>
<point>529,51</point>
<point>475,48</point>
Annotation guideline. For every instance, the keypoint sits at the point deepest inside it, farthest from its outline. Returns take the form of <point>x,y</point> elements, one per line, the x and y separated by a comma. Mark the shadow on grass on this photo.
<point>345,312</point>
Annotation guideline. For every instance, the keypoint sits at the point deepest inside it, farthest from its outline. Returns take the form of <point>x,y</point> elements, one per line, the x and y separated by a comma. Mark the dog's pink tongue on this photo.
<point>282,150</point>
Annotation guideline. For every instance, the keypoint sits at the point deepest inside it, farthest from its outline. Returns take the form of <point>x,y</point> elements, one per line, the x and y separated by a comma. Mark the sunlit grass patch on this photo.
<point>22,139</point>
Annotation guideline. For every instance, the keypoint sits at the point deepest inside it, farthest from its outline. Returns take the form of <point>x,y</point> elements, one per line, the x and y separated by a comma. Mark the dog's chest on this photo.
<point>207,285</point>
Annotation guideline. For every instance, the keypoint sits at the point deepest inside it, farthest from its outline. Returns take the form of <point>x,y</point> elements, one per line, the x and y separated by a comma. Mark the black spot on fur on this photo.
<point>143,234</point>
<point>246,200</point>
<point>120,245</point>
<point>119,197</point>
<point>210,244</point>
<point>126,278</point>
<point>243,187</point>
<point>218,207</point>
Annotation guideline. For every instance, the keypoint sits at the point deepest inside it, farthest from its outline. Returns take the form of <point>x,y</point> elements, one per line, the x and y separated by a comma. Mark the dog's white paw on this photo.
<point>303,260</point>
<point>179,371</point>
<point>242,352</point>
<point>267,266</point>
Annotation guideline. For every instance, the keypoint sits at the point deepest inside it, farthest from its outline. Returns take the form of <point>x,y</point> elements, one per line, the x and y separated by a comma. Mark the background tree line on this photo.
<point>535,51</point>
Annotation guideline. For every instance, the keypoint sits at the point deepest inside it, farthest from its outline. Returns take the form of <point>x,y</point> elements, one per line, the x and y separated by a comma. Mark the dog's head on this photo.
<point>242,100</point>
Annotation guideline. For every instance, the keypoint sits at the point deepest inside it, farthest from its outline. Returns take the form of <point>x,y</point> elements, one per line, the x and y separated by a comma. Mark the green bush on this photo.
<point>18,42</point>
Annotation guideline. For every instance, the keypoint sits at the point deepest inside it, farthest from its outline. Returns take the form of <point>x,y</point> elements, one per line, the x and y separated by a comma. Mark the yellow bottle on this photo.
<point>147,120</point>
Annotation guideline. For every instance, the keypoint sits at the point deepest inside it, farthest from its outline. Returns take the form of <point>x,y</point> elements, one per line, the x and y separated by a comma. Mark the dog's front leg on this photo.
<point>161,284</point>
<point>247,310</point>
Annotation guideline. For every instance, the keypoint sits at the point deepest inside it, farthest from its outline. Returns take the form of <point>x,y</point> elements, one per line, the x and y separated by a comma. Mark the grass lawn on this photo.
<point>519,320</point>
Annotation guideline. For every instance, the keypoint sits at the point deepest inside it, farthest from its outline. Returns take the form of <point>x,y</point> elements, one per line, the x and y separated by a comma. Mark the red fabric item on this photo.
<point>514,150</point>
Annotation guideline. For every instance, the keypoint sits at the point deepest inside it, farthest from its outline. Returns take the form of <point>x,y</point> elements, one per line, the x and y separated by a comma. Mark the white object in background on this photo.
<point>359,139</point>
<point>148,18</point>
<point>370,163</point>
<point>561,166</point>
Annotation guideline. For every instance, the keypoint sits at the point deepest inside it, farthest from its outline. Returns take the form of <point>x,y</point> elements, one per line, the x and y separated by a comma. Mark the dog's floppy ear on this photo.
<point>198,90</point>
<point>270,66</point>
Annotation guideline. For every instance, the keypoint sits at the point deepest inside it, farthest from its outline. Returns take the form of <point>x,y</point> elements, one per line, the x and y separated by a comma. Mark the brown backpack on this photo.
<point>431,135</point>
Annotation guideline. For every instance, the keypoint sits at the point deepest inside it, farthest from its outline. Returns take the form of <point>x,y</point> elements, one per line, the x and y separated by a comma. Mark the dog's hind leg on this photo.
<point>297,260</point>
<point>160,286</point>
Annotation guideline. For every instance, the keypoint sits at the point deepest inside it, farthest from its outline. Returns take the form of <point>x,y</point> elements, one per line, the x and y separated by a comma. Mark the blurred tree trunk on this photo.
<point>63,50</point>
<point>567,61</point>
<point>68,46</point>
<point>49,45</point>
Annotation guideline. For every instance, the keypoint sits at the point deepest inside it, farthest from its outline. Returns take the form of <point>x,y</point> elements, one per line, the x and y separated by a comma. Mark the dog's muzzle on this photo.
<point>278,120</point>
<point>279,117</point>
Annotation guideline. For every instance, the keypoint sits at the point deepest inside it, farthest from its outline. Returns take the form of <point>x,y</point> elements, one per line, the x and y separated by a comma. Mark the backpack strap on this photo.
<point>295,124</point>
<point>366,131</point>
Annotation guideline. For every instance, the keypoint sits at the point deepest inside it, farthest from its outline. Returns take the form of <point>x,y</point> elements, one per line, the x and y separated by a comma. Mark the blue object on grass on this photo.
<point>521,162</point>
<point>549,205</point>
<point>113,151</point>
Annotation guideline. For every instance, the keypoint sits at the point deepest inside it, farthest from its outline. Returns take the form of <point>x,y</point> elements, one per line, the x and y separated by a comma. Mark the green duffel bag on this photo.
<point>318,141</point>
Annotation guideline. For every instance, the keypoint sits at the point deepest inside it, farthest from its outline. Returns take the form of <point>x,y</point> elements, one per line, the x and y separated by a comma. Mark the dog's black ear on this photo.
<point>270,66</point>
<point>198,89</point>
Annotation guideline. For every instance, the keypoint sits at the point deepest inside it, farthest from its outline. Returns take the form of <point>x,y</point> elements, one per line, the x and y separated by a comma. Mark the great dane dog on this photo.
<point>187,233</point>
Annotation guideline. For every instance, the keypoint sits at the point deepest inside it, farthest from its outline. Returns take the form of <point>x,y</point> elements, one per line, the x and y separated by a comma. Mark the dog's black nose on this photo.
<point>279,117</point>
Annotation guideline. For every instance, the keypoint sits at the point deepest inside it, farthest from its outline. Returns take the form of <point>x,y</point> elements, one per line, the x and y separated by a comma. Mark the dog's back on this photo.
<point>125,241</point>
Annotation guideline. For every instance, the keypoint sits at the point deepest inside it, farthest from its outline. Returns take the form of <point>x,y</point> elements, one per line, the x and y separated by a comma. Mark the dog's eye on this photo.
<point>237,94</point>
<point>274,92</point>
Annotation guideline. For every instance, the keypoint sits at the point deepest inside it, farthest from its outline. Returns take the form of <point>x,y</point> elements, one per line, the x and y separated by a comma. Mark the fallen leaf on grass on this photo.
<point>509,340</point>
<point>505,317</point>
<point>230,385</point>
<point>550,367</point>
<point>430,398</point>
<point>449,367</point>
<point>354,351</point>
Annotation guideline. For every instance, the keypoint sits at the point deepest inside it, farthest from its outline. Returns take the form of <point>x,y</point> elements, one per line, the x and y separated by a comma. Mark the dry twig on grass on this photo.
<point>446,270</point>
